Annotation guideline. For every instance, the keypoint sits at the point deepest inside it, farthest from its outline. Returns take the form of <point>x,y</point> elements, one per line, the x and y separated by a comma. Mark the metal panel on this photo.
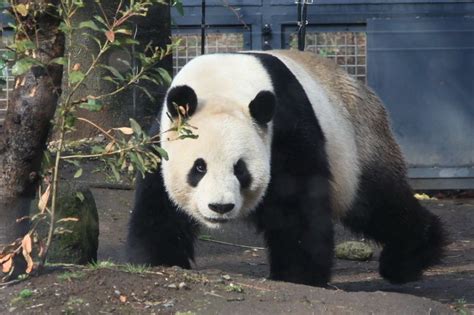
<point>217,41</point>
<point>419,59</point>
<point>423,70</point>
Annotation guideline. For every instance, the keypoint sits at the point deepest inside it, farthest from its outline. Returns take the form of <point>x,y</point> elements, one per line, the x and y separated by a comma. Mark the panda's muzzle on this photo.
<point>221,208</point>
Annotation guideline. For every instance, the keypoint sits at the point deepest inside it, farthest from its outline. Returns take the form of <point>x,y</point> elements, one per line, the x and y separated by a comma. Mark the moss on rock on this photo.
<point>75,242</point>
<point>353,250</point>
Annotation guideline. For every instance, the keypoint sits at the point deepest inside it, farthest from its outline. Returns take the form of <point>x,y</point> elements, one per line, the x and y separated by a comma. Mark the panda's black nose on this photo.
<point>221,207</point>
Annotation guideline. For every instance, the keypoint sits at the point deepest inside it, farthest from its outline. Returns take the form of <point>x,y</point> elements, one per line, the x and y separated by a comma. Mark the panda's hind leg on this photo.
<point>412,237</point>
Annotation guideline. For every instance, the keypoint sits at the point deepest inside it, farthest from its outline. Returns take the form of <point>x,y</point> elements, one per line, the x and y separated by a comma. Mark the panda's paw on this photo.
<point>398,267</point>
<point>404,259</point>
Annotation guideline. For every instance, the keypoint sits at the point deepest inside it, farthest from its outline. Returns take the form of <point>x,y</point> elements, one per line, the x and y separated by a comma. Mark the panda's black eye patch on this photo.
<point>197,172</point>
<point>242,173</point>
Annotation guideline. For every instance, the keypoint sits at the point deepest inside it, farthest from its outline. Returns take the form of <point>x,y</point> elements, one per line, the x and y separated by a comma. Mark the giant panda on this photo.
<point>291,142</point>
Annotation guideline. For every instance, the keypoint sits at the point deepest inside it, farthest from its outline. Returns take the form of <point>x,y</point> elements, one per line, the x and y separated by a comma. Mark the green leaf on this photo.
<point>79,3</point>
<point>60,61</point>
<point>165,75</point>
<point>75,76</point>
<point>96,149</point>
<point>100,20</point>
<point>89,24</point>
<point>161,152</point>
<point>21,66</point>
<point>145,90</point>
<point>136,161</point>
<point>23,45</point>
<point>109,78</point>
<point>8,55</point>
<point>114,71</point>
<point>70,121</point>
<point>92,105</point>
<point>73,162</point>
<point>115,172</point>
<point>63,27</point>
<point>78,173</point>
<point>124,31</point>
<point>136,127</point>
<point>80,196</point>
<point>128,41</point>
<point>93,38</point>
<point>179,7</point>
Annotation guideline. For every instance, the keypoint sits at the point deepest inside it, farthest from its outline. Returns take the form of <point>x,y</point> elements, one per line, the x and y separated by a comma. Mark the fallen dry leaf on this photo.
<point>43,202</point>
<point>125,130</point>
<point>26,243</point>
<point>27,247</point>
<point>7,264</point>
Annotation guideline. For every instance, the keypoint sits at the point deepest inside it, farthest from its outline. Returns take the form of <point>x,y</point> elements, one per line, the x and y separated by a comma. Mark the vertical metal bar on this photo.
<point>203,27</point>
<point>302,21</point>
<point>298,21</point>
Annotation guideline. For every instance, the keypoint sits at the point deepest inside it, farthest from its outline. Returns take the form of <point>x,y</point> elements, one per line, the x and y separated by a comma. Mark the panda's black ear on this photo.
<point>181,95</point>
<point>262,107</point>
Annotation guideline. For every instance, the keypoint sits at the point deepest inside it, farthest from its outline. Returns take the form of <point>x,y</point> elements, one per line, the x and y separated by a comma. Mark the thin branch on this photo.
<point>54,191</point>
<point>97,126</point>
<point>230,244</point>
<point>88,156</point>
<point>226,4</point>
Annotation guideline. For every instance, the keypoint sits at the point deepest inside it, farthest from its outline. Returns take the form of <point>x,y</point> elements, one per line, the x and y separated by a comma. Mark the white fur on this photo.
<point>339,132</point>
<point>226,134</point>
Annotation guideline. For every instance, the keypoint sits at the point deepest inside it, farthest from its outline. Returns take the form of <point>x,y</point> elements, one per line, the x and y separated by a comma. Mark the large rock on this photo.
<point>80,245</point>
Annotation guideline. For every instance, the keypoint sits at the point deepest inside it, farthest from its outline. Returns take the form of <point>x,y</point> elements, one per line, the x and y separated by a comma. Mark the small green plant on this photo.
<point>25,294</point>
<point>102,265</point>
<point>69,276</point>
<point>232,287</point>
<point>131,268</point>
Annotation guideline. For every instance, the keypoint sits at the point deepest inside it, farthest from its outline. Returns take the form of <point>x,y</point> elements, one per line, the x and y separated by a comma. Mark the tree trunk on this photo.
<point>27,124</point>
<point>155,28</point>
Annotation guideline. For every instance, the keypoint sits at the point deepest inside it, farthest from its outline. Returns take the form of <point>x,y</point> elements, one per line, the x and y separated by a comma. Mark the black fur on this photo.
<point>159,234</point>
<point>262,107</point>
<point>181,95</point>
<point>197,172</point>
<point>242,173</point>
<point>295,215</point>
<point>386,211</point>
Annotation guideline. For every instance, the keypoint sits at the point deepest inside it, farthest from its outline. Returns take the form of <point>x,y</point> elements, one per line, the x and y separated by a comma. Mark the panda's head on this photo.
<point>224,173</point>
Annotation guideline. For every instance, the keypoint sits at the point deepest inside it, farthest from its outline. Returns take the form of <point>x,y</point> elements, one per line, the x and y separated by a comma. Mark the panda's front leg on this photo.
<point>297,224</point>
<point>159,234</point>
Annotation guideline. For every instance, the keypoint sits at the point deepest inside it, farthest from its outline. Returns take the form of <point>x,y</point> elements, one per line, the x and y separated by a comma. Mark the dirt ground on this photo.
<point>230,278</point>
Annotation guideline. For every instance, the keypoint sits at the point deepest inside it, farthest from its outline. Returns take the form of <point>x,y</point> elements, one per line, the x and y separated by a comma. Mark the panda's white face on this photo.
<point>224,173</point>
